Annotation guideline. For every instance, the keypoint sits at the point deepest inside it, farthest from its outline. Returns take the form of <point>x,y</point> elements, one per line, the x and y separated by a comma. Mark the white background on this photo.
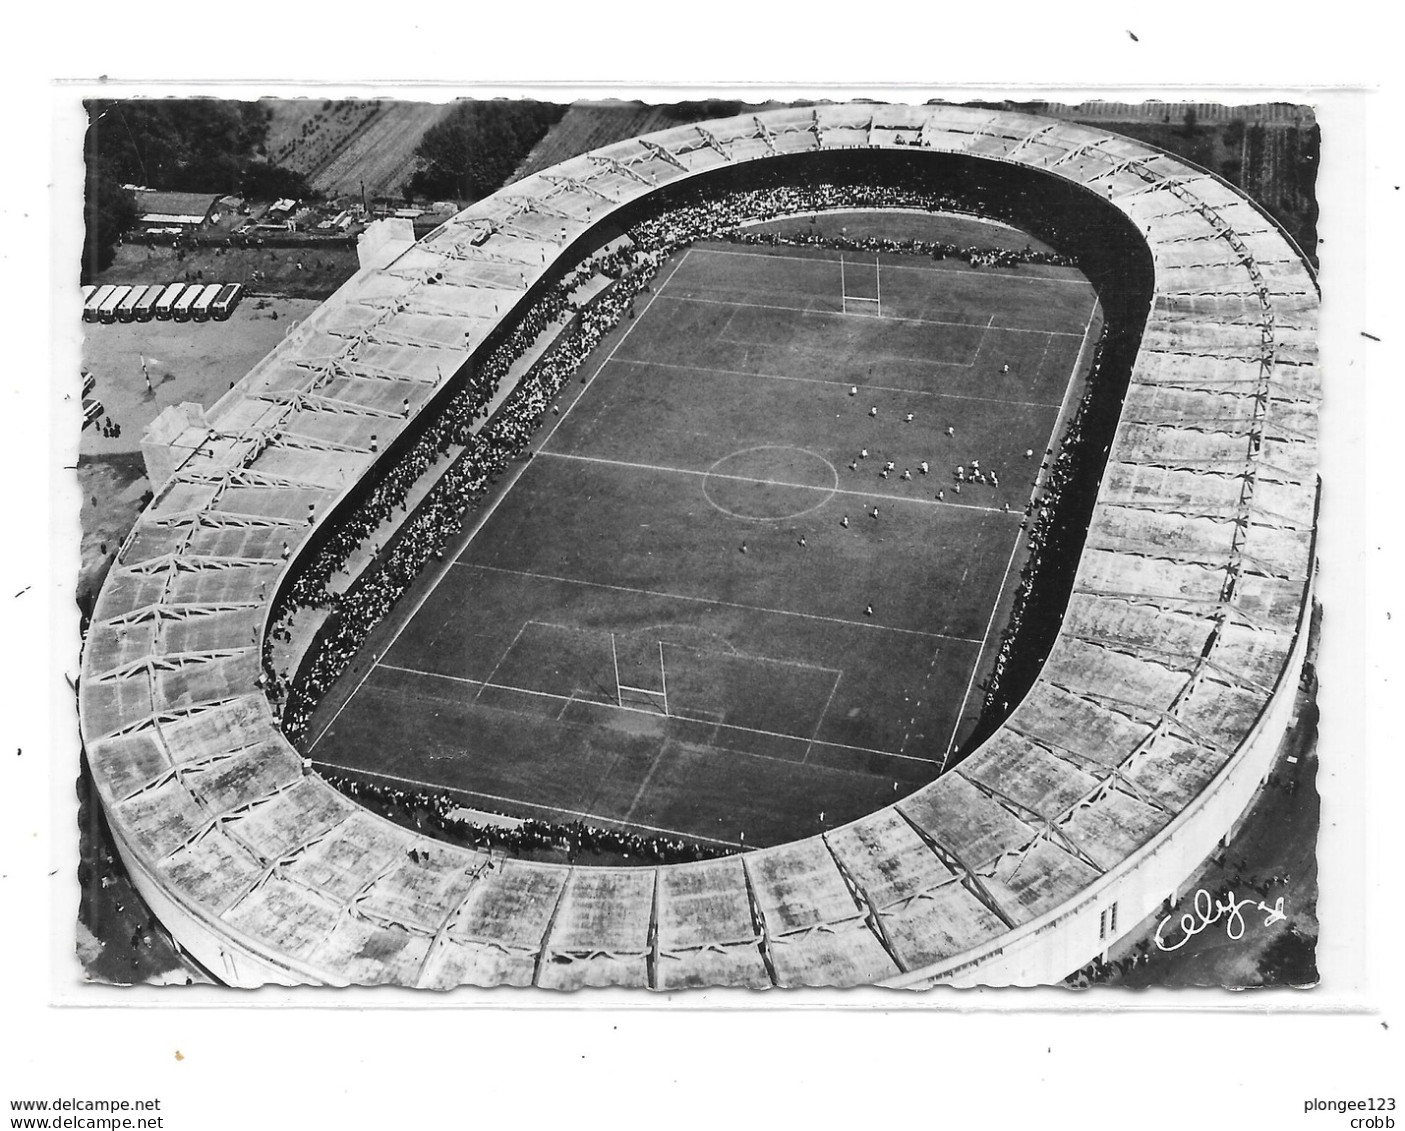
<point>1000,1059</point>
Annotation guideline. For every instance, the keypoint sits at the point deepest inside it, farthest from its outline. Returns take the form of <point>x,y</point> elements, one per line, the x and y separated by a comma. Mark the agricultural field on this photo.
<point>339,146</point>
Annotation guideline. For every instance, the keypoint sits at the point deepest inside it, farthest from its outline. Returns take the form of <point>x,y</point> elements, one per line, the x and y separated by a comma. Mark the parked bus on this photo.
<point>127,308</point>
<point>200,308</point>
<point>146,305</point>
<point>180,310</point>
<point>167,301</point>
<point>107,312</point>
<point>93,304</point>
<point>86,292</point>
<point>227,300</point>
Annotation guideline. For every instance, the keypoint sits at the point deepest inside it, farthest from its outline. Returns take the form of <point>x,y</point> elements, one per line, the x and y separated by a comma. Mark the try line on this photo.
<point>885,317</point>
<point>865,624</point>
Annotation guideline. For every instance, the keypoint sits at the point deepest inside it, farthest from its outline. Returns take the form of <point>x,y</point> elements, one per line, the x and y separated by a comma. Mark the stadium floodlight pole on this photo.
<point>619,695</point>
<point>663,677</point>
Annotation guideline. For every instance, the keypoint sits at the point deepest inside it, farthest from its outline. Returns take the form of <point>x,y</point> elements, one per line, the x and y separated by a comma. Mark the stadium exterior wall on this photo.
<point>1047,950</point>
<point>234,960</point>
<point>1042,952</point>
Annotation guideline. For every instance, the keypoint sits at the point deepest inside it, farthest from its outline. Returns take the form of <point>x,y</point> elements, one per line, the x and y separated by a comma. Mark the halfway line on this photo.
<point>870,495</point>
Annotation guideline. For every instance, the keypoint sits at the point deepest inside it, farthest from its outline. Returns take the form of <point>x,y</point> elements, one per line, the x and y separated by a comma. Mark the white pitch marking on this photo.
<point>845,313</point>
<point>654,714</point>
<point>533,804</point>
<point>735,654</point>
<point>619,691</point>
<point>820,721</point>
<point>767,482</point>
<point>822,381</point>
<point>975,667</point>
<point>864,624</point>
<point>1002,278</point>
<point>506,652</point>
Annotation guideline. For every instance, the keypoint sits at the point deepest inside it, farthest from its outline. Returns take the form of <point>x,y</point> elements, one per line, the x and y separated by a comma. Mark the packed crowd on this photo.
<point>975,256</point>
<point>482,457</point>
<point>1041,515</point>
<point>727,215</point>
<point>616,262</point>
<point>452,428</point>
<point>436,814</point>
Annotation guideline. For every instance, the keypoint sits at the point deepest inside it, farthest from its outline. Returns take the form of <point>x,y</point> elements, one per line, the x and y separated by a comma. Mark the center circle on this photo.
<point>770,482</point>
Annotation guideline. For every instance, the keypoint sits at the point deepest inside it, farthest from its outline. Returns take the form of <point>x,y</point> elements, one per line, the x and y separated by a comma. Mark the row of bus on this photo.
<point>184,302</point>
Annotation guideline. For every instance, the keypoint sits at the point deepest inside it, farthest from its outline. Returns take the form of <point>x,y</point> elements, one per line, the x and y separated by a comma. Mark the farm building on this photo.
<point>189,210</point>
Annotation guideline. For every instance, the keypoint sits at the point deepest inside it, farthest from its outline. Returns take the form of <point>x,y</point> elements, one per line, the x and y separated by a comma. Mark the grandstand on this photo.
<point>1151,723</point>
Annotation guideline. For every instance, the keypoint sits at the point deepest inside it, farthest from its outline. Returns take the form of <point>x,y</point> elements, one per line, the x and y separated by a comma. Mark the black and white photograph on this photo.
<point>747,592</point>
<point>708,544</point>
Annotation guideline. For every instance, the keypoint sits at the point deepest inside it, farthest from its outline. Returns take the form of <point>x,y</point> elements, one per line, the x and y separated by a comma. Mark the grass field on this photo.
<point>682,614</point>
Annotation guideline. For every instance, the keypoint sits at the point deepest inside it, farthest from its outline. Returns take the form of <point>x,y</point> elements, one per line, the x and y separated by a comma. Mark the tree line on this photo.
<point>473,151</point>
<point>204,145</point>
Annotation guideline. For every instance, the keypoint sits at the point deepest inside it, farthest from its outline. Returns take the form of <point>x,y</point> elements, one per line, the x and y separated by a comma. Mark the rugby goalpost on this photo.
<point>641,698</point>
<point>845,298</point>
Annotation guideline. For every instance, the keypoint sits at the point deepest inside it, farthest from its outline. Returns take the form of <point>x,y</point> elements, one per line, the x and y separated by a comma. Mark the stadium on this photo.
<point>802,681</point>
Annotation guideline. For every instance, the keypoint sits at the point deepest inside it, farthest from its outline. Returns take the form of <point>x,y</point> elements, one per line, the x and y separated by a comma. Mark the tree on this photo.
<point>265,181</point>
<point>176,144</point>
<point>473,151</point>
<point>108,211</point>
